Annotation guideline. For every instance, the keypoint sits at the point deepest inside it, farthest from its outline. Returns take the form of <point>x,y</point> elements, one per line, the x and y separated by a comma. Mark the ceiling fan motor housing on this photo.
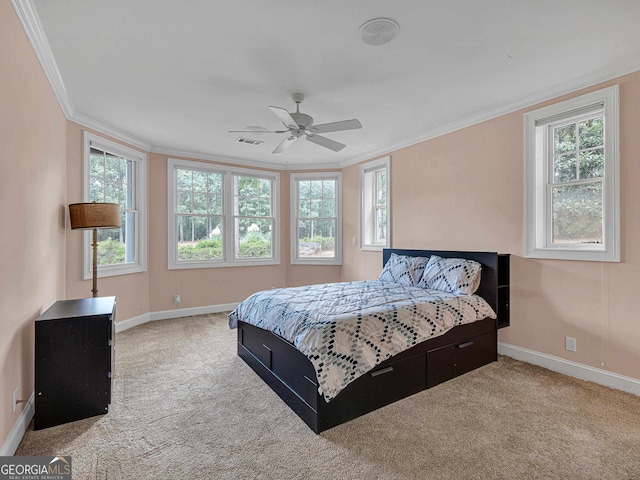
<point>302,120</point>
<point>299,124</point>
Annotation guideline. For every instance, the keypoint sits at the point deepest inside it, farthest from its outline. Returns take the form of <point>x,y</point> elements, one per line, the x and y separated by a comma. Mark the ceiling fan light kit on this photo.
<point>300,124</point>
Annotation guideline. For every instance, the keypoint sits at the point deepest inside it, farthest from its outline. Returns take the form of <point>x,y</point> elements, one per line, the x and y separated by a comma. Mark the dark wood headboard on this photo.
<point>488,288</point>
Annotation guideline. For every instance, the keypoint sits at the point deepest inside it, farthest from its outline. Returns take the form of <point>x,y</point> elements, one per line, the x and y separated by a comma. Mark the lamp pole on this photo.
<point>94,245</point>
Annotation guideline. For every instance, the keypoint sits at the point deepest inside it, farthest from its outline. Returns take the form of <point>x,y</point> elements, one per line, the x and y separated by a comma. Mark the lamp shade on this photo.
<point>94,215</point>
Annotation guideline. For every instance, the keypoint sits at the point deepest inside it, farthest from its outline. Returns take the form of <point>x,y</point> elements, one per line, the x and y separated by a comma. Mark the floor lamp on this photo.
<point>94,216</point>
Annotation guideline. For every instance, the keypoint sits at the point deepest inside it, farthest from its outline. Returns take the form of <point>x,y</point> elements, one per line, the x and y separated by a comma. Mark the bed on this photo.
<point>452,351</point>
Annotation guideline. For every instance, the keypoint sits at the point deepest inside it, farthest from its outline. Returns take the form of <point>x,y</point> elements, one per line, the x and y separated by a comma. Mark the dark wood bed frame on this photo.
<point>291,375</point>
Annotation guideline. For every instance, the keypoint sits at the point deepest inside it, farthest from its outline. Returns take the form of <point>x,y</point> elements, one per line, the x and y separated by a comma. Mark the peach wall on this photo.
<point>459,191</point>
<point>131,291</point>
<point>464,190</point>
<point>153,291</point>
<point>32,205</point>
<point>356,264</point>
<point>214,286</point>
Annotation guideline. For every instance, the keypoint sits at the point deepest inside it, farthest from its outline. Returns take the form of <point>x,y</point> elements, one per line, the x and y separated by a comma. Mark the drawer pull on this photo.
<point>266,347</point>
<point>382,371</point>
<point>465,344</point>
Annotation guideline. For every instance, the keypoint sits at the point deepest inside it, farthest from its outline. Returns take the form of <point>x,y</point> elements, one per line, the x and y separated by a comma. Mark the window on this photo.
<point>316,223</point>
<point>114,173</point>
<point>221,217</point>
<point>571,179</point>
<point>375,205</point>
<point>198,214</point>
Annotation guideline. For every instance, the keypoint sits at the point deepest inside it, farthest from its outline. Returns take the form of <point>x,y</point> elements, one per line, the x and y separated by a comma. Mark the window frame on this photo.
<point>228,215</point>
<point>294,178</point>
<point>538,179</point>
<point>368,204</point>
<point>139,184</point>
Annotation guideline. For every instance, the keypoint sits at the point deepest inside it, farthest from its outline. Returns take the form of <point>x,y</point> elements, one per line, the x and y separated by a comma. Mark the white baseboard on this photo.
<point>19,428</point>
<point>573,369</point>
<point>177,313</point>
<point>21,425</point>
<point>567,367</point>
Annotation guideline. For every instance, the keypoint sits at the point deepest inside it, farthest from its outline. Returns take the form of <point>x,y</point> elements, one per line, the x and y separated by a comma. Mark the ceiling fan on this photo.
<point>299,124</point>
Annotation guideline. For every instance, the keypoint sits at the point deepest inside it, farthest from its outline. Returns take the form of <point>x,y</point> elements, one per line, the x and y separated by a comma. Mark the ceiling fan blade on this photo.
<point>326,142</point>
<point>258,131</point>
<point>284,144</point>
<point>284,116</point>
<point>336,126</point>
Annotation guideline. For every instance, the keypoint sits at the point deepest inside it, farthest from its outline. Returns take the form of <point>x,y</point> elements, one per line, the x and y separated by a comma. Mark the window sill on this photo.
<point>584,255</point>
<point>114,271</point>
<point>221,264</point>
<point>374,248</point>
<point>313,261</point>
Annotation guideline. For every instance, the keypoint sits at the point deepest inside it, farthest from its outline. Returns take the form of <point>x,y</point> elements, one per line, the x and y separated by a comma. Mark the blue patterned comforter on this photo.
<point>346,329</point>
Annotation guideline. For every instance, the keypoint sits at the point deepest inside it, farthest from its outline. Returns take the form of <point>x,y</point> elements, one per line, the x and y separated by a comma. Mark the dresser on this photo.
<point>74,360</point>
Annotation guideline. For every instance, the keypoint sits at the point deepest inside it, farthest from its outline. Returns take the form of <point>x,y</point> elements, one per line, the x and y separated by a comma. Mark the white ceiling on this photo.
<point>177,75</point>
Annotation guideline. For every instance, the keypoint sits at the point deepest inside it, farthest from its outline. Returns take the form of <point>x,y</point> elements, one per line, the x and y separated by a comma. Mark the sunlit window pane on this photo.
<point>253,238</point>
<point>565,168</point>
<point>591,133</point>
<point>577,213</point>
<point>253,235</point>
<point>110,181</point>
<point>592,163</point>
<point>199,237</point>
<point>316,218</point>
<point>316,238</point>
<point>564,139</point>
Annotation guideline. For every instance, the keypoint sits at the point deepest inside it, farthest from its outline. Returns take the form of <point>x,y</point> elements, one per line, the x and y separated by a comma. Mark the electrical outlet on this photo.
<point>176,299</point>
<point>570,344</point>
<point>14,403</point>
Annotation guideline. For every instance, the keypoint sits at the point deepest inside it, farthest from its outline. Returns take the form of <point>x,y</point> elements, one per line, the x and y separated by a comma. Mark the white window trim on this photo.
<point>365,168</point>
<point>294,178</point>
<point>227,172</point>
<point>536,244</point>
<point>90,140</point>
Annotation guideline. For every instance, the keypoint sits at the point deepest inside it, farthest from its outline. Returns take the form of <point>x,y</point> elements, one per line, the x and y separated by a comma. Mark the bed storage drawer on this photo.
<point>393,380</point>
<point>451,361</point>
<point>257,342</point>
<point>400,378</point>
<point>298,375</point>
<point>283,360</point>
<point>388,382</point>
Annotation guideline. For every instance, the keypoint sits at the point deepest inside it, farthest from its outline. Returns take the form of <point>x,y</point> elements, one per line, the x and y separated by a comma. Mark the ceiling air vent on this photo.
<point>248,141</point>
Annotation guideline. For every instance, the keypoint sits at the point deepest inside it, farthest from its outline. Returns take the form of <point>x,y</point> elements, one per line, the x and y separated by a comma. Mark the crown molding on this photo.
<point>630,66</point>
<point>210,157</point>
<point>28,16</point>
<point>26,12</point>
<point>110,131</point>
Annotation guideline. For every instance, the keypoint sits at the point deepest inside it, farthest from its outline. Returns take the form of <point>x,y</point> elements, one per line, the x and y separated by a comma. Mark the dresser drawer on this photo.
<point>451,361</point>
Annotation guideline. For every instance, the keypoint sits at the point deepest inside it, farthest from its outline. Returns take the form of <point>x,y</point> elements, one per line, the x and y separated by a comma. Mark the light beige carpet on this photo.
<point>185,406</point>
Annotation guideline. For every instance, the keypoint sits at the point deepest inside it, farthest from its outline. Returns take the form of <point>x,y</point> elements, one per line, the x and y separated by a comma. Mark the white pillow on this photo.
<point>455,275</point>
<point>403,269</point>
